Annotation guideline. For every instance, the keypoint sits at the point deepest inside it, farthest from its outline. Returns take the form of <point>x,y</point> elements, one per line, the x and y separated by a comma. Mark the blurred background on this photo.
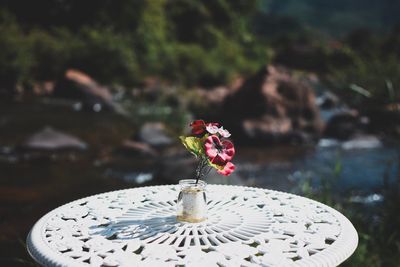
<point>94,94</point>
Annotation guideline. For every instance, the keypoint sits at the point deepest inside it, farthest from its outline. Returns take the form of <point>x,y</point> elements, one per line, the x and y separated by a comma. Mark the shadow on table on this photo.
<point>125,228</point>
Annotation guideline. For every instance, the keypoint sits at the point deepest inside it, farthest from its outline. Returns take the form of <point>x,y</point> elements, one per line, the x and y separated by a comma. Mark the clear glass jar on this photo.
<point>192,202</point>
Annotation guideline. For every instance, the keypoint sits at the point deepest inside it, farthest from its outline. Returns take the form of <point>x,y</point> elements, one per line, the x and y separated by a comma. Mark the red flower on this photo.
<point>228,169</point>
<point>219,152</point>
<point>199,126</point>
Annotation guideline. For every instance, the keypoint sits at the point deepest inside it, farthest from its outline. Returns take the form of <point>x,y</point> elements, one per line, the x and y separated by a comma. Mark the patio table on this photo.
<point>246,226</point>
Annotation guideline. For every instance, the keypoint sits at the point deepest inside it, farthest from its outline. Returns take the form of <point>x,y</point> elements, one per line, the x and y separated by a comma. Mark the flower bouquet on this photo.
<point>209,143</point>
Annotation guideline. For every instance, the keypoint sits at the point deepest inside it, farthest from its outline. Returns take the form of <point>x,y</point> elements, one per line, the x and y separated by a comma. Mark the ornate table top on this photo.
<point>246,227</point>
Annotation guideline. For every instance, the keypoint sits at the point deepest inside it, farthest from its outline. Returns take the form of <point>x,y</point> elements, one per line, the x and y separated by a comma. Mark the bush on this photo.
<point>371,71</point>
<point>105,55</point>
<point>50,53</point>
<point>193,64</point>
<point>15,59</point>
<point>124,49</point>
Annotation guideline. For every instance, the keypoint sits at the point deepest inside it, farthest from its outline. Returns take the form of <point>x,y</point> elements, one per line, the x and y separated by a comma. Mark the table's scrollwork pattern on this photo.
<point>245,227</point>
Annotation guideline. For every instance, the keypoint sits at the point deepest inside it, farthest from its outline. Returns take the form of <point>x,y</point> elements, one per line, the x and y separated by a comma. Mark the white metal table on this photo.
<point>246,226</point>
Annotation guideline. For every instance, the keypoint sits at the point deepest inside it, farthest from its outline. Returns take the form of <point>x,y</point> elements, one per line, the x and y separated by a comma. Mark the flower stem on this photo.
<point>200,168</point>
<point>198,172</point>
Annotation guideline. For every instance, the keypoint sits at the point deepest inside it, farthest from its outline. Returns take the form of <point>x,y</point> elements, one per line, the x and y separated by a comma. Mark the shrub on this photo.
<point>15,59</point>
<point>107,56</point>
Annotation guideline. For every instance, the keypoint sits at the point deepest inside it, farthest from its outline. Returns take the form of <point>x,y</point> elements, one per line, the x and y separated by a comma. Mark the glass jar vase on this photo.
<point>192,202</point>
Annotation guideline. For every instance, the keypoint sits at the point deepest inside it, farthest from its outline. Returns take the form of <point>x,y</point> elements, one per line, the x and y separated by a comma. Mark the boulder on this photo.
<point>342,126</point>
<point>81,87</point>
<point>49,139</point>
<point>273,103</point>
<point>43,88</point>
<point>214,96</point>
<point>133,148</point>
<point>328,100</point>
<point>154,134</point>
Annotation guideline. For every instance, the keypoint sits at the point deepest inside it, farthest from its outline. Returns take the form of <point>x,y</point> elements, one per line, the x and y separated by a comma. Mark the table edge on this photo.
<point>335,256</point>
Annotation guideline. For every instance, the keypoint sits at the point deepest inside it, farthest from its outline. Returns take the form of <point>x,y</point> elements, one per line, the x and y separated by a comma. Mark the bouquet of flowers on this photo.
<point>209,143</point>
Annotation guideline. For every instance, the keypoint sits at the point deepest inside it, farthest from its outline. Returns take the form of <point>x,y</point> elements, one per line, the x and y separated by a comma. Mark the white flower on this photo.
<point>212,129</point>
<point>223,132</point>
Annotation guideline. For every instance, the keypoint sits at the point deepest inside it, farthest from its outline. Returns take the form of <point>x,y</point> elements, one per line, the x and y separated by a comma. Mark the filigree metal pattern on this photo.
<point>245,227</point>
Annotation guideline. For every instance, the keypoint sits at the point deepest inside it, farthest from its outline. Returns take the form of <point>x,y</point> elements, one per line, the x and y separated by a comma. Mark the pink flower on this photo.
<point>219,152</point>
<point>228,169</point>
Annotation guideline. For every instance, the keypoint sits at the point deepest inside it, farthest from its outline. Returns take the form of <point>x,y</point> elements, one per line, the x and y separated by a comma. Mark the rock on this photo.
<point>269,129</point>
<point>8,154</point>
<point>79,86</point>
<point>384,120</point>
<point>328,100</point>
<point>49,139</point>
<point>43,88</point>
<point>154,134</point>
<point>214,96</point>
<point>342,126</point>
<point>133,148</point>
<point>273,103</point>
<point>267,124</point>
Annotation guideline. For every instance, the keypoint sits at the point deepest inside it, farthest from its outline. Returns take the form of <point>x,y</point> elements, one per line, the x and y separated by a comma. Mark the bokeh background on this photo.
<point>94,94</point>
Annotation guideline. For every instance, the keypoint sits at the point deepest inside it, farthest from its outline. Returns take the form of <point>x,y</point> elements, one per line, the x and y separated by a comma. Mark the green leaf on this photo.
<point>193,144</point>
<point>215,166</point>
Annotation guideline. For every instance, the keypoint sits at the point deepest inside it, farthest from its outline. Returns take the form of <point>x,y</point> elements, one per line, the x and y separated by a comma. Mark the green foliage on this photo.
<point>337,17</point>
<point>194,145</point>
<point>41,55</point>
<point>215,166</point>
<point>362,68</point>
<point>151,36</point>
<point>49,54</point>
<point>377,76</point>
<point>193,65</point>
<point>105,55</point>
<point>15,59</point>
<point>189,42</point>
